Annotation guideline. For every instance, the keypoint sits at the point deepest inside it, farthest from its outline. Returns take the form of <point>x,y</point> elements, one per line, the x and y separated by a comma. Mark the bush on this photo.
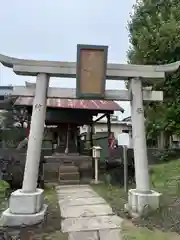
<point>4,188</point>
<point>166,155</point>
<point>11,137</point>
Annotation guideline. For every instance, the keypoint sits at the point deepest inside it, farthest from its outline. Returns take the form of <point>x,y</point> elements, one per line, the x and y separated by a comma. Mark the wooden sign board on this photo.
<point>91,71</point>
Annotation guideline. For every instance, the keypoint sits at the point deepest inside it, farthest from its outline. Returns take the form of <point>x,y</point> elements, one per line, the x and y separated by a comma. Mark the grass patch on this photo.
<point>132,232</point>
<point>164,178</point>
<point>51,228</point>
<point>4,192</point>
<point>114,195</point>
<point>4,187</point>
<point>48,230</point>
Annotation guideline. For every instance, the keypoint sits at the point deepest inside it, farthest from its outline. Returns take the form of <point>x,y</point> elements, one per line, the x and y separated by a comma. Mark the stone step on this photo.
<point>67,182</point>
<point>68,168</point>
<point>69,176</point>
<point>69,173</point>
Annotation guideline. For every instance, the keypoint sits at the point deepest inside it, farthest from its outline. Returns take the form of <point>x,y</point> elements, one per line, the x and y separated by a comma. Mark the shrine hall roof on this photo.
<point>73,103</point>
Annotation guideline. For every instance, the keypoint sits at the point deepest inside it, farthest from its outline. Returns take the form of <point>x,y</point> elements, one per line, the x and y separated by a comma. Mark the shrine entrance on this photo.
<point>91,72</point>
<point>70,160</point>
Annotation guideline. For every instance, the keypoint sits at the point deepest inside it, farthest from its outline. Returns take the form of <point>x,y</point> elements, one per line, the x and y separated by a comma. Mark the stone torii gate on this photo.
<point>26,205</point>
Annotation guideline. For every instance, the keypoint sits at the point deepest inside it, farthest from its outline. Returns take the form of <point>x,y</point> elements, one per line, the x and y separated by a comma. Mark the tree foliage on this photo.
<point>13,117</point>
<point>154,32</point>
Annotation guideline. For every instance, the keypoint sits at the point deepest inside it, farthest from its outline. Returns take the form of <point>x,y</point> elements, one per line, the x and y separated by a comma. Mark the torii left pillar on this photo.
<point>26,205</point>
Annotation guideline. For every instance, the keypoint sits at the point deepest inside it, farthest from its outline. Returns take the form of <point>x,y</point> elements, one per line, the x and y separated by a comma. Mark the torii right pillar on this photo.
<point>141,199</point>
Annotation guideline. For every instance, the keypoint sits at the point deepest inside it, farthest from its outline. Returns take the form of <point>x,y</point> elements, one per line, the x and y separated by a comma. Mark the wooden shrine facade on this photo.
<point>68,115</point>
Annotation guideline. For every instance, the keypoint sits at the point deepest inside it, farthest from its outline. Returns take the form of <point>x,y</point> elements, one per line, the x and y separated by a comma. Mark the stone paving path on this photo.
<point>85,215</point>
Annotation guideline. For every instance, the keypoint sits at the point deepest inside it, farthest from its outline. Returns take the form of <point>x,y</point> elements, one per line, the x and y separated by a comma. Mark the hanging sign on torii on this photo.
<point>91,61</point>
<point>91,71</point>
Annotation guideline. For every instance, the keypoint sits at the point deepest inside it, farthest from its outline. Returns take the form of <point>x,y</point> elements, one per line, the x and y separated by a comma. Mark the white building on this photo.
<point>121,129</point>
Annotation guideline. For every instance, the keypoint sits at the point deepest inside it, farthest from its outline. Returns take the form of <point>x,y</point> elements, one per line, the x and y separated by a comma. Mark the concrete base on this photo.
<point>24,209</point>
<point>93,181</point>
<point>26,203</point>
<point>140,203</point>
<point>15,220</point>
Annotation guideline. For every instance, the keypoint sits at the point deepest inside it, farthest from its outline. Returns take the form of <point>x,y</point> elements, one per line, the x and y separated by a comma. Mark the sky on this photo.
<point>51,30</point>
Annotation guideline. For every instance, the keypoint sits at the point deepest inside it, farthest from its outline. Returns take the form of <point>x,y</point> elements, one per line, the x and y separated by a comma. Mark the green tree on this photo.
<point>10,115</point>
<point>12,120</point>
<point>154,32</point>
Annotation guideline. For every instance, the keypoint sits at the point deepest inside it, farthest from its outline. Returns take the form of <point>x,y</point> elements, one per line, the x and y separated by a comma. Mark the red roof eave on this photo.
<point>73,103</point>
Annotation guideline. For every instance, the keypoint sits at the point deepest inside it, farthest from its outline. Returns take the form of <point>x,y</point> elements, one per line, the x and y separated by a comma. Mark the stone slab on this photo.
<point>77,195</point>
<point>16,220</point>
<point>73,190</point>
<point>110,234</point>
<point>76,186</point>
<point>91,223</point>
<point>81,201</point>
<point>72,186</point>
<point>86,211</point>
<point>26,203</point>
<point>85,235</point>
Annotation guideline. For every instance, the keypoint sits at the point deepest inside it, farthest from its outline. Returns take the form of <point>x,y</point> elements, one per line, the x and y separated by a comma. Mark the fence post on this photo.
<point>125,161</point>
<point>96,156</point>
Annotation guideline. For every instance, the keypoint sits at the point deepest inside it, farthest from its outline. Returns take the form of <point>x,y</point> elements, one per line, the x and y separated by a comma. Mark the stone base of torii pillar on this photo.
<point>141,203</point>
<point>140,200</point>
<point>26,205</point>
